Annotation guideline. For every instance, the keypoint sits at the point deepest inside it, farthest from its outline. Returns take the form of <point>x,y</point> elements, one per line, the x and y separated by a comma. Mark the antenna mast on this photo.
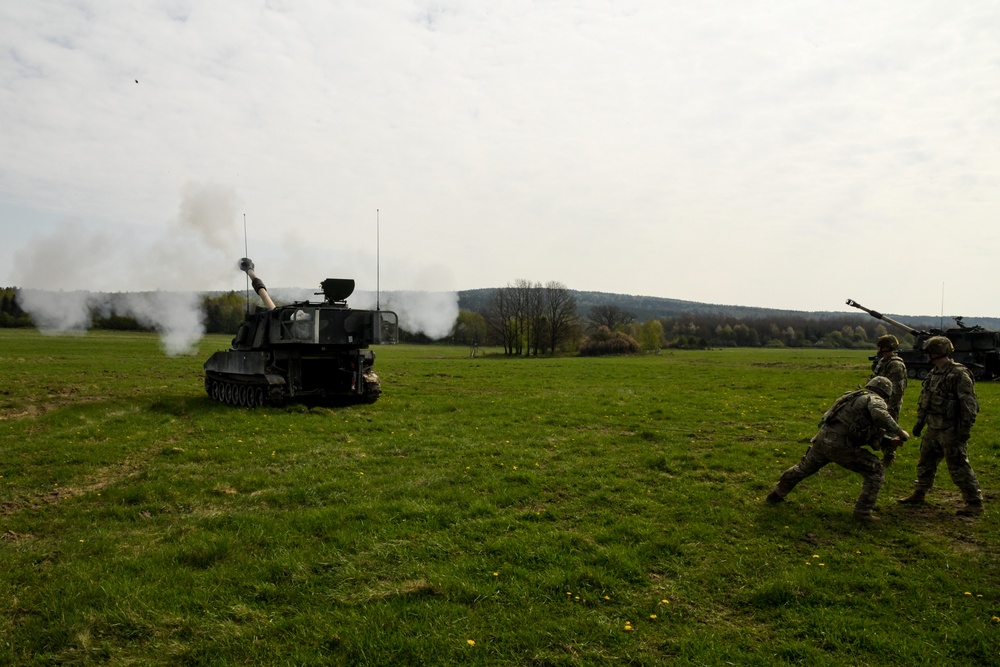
<point>246,253</point>
<point>377,260</point>
<point>941,321</point>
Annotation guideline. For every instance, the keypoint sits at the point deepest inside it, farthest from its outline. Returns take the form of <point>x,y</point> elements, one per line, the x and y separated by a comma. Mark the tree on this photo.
<point>534,318</point>
<point>223,313</point>
<point>11,313</point>
<point>502,319</point>
<point>611,316</point>
<point>651,335</point>
<point>469,329</point>
<point>560,314</point>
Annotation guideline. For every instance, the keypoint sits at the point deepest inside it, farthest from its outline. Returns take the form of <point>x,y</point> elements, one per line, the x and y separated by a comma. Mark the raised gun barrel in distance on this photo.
<point>879,316</point>
<point>246,265</point>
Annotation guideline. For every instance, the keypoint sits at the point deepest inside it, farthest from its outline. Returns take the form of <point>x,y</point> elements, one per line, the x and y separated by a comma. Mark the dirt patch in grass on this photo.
<point>104,478</point>
<point>21,412</point>
<point>34,409</point>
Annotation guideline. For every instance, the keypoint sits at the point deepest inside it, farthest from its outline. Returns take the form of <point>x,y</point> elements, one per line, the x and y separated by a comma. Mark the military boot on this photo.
<point>865,517</point>
<point>774,498</point>
<point>971,509</point>
<point>915,498</point>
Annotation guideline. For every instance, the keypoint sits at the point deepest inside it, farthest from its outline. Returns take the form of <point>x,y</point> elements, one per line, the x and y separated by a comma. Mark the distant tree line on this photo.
<point>530,319</point>
<point>713,330</point>
<point>222,314</point>
<point>838,331</point>
<point>11,314</point>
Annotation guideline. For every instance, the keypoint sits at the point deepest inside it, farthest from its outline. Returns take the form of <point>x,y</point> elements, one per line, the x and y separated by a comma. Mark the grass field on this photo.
<point>485,511</point>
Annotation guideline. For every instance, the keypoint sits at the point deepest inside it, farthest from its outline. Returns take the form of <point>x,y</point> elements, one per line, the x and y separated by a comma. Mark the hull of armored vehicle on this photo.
<point>309,352</point>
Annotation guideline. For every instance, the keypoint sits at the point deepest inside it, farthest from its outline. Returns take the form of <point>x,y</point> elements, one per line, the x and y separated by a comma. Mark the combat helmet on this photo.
<point>887,340</point>
<point>938,345</point>
<point>881,386</point>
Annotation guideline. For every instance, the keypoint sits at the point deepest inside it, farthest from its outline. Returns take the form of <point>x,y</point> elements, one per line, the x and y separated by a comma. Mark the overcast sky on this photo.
<point>776,154</point>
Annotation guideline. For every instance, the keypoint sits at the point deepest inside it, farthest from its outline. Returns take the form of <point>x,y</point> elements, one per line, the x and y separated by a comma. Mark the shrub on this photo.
<point>607,342</point>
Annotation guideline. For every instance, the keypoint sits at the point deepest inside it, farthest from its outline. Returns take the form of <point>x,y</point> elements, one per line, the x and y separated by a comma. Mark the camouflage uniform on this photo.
<point>893,369</point>
<point>948,408</point>
<point>857,418</point>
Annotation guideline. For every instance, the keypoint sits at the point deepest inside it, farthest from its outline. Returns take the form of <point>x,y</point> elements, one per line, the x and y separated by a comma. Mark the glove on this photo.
<point>918,428</point>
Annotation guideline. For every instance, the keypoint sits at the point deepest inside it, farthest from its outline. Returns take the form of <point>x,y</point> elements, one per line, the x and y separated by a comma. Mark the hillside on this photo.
<point>652,307</point>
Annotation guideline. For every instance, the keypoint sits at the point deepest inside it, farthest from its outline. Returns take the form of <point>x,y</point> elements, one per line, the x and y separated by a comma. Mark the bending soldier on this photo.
<point>889,365</point>
<point>947,408</point>
<point>856,419</point>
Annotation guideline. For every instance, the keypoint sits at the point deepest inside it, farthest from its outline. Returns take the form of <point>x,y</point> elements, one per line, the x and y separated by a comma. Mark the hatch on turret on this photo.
<point>336,290</point>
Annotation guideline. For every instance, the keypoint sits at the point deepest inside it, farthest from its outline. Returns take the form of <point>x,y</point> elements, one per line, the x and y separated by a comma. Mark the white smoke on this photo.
<point>57,312</point>
<point>177,316</point>
<point>430,313</point>
<point>194,252</point>
<point>75,272</point>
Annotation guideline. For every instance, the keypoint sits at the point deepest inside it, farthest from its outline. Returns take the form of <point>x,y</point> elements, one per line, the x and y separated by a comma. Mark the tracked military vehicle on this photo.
<point>306,351</point>
<point>976,348</point>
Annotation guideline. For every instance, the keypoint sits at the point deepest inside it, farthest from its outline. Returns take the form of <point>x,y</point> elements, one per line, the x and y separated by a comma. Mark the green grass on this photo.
<point>552,511</point>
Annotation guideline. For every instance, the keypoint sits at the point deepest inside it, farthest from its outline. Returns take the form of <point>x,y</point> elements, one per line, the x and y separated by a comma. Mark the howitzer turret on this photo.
<point>975,347</point>
<point>306,351</point>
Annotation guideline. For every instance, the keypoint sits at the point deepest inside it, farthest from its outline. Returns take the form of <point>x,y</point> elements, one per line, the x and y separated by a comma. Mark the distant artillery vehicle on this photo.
<point>306,351</point>
<point>977,348</point>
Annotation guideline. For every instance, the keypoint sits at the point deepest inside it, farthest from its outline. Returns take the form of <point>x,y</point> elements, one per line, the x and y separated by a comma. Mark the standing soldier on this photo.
<point>948,408</point>
<point>855,419</point>
<point>889,365</point>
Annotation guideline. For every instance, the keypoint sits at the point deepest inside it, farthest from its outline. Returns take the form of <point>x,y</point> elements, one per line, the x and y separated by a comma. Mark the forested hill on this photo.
<point>653,307</point>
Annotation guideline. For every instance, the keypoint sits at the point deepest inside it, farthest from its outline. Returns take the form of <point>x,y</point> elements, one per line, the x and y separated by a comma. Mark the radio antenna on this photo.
<point>246,253</point>
<point>941,321</point>
<point>377,260</point>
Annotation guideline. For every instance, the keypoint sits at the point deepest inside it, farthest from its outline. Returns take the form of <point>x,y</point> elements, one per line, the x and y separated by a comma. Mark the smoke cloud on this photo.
<point>57,312</point>
<point>431,313</point>
<point>196,251</point>
<point>75,273</point>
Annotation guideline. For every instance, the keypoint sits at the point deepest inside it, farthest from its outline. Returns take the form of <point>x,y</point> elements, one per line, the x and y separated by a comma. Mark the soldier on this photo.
<point>888,365</point>
<point>855,419</point>
<point>947,407</point>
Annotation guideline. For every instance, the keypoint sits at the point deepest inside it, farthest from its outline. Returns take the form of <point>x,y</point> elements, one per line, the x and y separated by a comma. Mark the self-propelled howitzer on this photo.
<point>977,348</point>
<point>306,351</point>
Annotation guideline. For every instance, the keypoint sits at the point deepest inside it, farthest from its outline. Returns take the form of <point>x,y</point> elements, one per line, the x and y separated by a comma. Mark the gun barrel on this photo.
<point>246,265</point>
<point>879,316</point>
